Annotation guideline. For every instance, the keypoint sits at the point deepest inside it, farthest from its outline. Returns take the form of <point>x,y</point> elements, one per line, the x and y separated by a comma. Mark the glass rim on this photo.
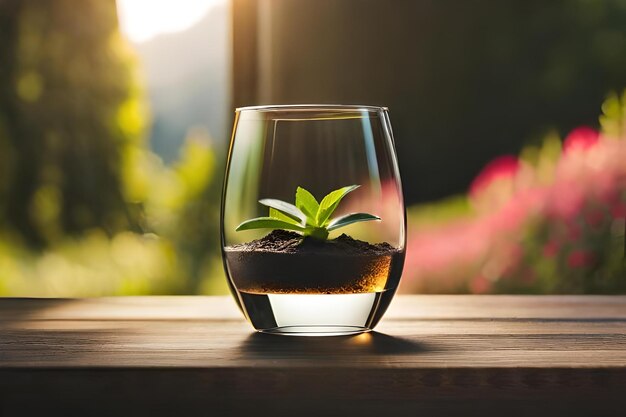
<point>312,107</point>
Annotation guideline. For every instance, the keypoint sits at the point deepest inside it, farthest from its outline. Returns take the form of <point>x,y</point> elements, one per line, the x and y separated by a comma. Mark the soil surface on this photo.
<point>284,262</point>
<point>283,241</point>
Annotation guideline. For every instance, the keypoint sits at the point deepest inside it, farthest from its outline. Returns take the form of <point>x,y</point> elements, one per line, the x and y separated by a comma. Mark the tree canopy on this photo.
<point>69,111</point>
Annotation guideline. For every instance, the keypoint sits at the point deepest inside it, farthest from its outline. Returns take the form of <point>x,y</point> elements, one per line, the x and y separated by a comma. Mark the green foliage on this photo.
<point>70,109</point>
<point>329,204</point>
<point>269,223</point>
<point>307,203</point>
<point>307,216</point>
<point>288,210</point>
<point>439,212</point>
<point>86,209</point>
<point>613,118</point>
<point>348,219</point>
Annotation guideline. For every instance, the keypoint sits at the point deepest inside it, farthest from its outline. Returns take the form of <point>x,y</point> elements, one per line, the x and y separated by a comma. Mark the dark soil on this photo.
<point>285,262</point>
<point>283,241</point>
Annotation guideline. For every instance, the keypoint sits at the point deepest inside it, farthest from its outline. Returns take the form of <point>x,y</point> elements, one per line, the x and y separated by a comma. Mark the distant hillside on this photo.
<point>187,76</point>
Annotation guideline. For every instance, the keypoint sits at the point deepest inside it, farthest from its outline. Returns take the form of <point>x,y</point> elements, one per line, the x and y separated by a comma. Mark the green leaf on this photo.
<point>275,214</point>
<point>308,217</point>
<point>268,223</point>
<point>287,209</point>
<point>330,203</point>
<point>307,204</point>
<point>349,219</point>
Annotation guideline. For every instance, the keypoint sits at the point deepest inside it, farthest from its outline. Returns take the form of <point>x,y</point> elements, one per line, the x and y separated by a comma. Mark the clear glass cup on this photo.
<point>287,283</point>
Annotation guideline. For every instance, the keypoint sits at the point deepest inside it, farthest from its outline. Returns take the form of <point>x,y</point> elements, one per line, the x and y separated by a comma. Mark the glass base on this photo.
<point>316,330</point>
<point>312,314</point>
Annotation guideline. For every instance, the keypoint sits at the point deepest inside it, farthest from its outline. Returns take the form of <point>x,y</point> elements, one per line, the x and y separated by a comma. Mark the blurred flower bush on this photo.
<point>175,252</point>
<point>548,221</point>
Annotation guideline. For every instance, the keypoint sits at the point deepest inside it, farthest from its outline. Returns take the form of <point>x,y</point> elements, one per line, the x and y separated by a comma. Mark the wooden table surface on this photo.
<point>433,355</point>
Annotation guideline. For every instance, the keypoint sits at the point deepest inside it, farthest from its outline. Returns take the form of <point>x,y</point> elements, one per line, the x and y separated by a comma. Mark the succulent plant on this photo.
<point>307,216</point>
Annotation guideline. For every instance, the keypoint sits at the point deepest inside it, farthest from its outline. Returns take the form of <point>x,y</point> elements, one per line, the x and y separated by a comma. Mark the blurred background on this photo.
<point>509,120</point>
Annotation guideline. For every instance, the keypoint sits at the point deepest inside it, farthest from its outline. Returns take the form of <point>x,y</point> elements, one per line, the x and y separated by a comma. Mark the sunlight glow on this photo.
<point>141,20</point>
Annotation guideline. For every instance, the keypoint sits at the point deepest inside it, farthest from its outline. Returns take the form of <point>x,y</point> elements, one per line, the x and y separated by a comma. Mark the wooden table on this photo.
<point>430,356</point>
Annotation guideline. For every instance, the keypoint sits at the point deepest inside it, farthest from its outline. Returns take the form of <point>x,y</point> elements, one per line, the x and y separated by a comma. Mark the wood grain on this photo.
<point>437,355</point>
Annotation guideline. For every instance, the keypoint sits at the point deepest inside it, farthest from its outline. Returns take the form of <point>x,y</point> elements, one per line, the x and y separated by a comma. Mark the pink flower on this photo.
<point>528,276</point>
<point>512,203</point>
<point>550,249</point>
<point>505,166</point>
<point>574,231</point>
<point>595,217</point>
<point>581,138</point>
<point>606,187</point>
<point>580,258</point>
<point>566,200</point>
<point>619,210</point>
<point>480,285</point>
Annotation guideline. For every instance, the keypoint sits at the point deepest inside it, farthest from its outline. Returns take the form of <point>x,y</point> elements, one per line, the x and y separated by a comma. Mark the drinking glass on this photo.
<point>283,281</point>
